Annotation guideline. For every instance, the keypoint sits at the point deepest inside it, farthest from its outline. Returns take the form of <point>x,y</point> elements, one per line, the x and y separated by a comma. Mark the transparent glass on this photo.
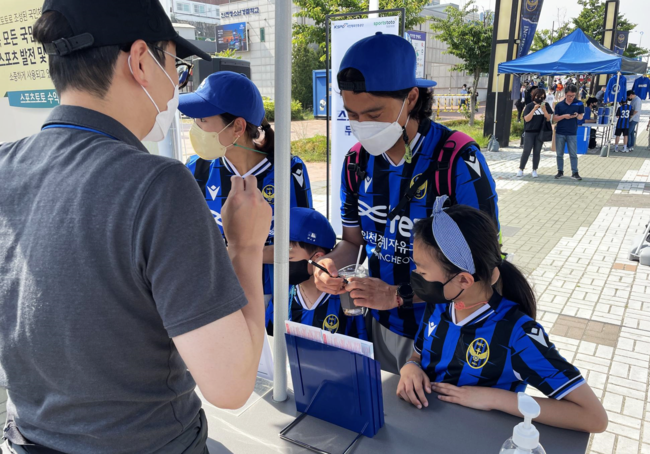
<point>347,303</point>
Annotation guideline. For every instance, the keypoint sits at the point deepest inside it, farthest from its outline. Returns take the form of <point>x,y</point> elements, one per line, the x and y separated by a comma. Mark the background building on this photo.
<point>203,15</point>
<point>259,16</point>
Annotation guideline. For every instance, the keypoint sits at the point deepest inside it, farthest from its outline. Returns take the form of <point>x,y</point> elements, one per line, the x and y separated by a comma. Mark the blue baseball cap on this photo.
<point>387,63</point>
<point>224,92</point>
<point>311,227</point>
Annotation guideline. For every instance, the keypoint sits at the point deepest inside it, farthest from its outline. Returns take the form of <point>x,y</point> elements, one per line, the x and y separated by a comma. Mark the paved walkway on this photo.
<point>572,239</point>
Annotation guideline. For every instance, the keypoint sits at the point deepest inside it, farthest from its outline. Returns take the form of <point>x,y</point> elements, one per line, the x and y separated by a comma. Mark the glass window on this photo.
<point>262,35</point>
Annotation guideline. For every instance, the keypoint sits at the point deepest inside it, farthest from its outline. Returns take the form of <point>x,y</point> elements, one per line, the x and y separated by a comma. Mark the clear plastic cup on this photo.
<point>347,302</point>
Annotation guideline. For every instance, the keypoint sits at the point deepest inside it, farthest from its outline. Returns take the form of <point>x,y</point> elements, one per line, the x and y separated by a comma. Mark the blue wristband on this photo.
<point>414,362</point>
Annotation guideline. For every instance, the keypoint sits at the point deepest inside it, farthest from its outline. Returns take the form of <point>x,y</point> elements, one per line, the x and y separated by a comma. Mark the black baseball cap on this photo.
<point>99,23</point>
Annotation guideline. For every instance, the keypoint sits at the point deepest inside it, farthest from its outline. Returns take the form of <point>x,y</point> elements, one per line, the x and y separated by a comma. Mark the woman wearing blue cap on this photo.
<point>391,178</point>
<point>228,114</point>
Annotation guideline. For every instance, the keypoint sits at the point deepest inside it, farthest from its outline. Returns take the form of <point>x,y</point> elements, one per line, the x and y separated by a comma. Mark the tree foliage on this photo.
<point>304,61</point>
<point>591,19</point>
<point>228,53</point>
<point>634,51</point>
<point>544,38</point>
<point>317,10</point>
<point>469,40</point>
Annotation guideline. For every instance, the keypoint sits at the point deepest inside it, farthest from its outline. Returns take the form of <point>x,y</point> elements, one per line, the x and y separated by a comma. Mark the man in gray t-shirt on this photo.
<point>117,293</point>
<point>635,117</point>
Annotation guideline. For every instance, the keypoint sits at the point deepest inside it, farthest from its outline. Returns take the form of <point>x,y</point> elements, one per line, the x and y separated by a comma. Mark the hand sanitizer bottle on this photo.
<point>525,438</point>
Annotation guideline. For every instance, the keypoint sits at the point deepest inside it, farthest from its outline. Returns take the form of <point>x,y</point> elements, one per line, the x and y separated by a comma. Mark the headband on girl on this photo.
<point>450,239</point>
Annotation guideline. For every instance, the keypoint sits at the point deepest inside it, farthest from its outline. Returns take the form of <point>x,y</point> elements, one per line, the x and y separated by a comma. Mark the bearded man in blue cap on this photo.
<point>391,178</point>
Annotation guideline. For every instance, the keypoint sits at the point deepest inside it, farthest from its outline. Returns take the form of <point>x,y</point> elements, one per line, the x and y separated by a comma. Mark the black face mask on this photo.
<point>430,292</point>
<point>298,272</point>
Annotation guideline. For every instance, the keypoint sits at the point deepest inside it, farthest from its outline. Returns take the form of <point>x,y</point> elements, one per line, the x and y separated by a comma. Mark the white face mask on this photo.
<point>378,137</point>
<point>165,118</point>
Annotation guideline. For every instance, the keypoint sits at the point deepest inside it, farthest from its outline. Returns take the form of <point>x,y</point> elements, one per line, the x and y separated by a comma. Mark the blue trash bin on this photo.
<point>584,132</point>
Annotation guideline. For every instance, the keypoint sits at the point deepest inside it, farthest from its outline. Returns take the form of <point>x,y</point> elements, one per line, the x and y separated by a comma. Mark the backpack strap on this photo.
<point>454,146</point>
<point>356,162</point>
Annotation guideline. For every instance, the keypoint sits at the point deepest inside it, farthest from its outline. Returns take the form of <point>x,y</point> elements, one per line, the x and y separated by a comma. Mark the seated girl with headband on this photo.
<point>478,343</point>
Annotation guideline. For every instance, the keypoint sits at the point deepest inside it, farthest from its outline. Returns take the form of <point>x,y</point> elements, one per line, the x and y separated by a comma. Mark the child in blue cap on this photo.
<point>312,237</point>
<point>228,114</point>
<point>478,343</point>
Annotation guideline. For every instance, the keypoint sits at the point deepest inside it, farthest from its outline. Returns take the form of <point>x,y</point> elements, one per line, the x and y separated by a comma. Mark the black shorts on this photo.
<point>621,132</point>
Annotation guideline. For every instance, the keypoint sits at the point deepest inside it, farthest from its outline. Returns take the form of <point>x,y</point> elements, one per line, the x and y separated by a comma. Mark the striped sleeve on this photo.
<point>268,318</point>
<point>474,184</point>
<point>419,337</point>
<point>537,362</point>
<point>301,184</point>
<point>349,201</point>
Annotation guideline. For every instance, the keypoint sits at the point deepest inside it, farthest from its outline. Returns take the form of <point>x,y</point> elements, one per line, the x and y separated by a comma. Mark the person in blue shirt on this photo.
<point>463,100</point>
<point>231,137</point>
<point>389,114</point>
<point>478,343</point>
<point>622,125</point>
<point>312,237</point>
<point>567,114</point>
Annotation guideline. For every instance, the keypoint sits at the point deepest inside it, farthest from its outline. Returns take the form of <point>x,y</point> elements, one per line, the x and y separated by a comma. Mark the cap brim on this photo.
<point>194,106</point>
<point>425,83</point>
<point>185,49</point>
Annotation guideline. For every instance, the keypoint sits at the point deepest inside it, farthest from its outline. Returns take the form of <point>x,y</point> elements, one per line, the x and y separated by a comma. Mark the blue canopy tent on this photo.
<point>573,54</point>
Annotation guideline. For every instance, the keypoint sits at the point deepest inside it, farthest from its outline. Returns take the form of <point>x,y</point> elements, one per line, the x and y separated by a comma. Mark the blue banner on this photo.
<point>621,42</point>
<point>530,12</point>
<point>35,99</point>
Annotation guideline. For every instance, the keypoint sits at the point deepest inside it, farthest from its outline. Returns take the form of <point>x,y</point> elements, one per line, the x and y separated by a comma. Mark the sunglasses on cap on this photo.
<point>183,68</point>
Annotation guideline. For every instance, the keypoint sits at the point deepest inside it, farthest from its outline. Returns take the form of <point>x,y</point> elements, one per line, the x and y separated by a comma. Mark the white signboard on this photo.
<point>419,42</point>
<point>344,35</point>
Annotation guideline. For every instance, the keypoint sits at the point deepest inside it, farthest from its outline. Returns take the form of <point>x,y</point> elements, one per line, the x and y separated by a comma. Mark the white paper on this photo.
<point>350,344</point>
<point>304,331</point>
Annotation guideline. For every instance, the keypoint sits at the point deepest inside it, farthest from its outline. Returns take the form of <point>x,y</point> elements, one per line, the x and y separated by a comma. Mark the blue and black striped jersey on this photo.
<point>213,178</point>
<point>497,346</point>
<point>384,186</point>
<point>326,313</point>
<point>623,114</point>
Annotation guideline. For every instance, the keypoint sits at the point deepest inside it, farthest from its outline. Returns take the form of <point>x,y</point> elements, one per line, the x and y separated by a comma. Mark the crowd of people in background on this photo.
<point>568,104</point>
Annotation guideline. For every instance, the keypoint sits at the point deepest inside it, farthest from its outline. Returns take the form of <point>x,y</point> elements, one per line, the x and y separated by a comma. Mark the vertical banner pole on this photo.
<point>282,194</point>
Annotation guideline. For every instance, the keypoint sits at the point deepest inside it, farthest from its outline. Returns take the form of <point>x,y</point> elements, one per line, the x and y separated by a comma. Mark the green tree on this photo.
<point>544,39</point>
<point>634,51</point>
<point>590,19</point>
<point>469,40</point>
<point>316,10</point>
<point>228,53</point>
<point>304,61</point>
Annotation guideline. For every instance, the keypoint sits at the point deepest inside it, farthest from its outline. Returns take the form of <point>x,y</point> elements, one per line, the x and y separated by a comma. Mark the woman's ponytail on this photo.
<point>514,286</point>
<point>253,132</point>
<point>268,146</point>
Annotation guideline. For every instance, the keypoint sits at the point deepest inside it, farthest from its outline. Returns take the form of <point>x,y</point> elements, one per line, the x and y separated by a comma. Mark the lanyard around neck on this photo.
<point>81,128</point>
